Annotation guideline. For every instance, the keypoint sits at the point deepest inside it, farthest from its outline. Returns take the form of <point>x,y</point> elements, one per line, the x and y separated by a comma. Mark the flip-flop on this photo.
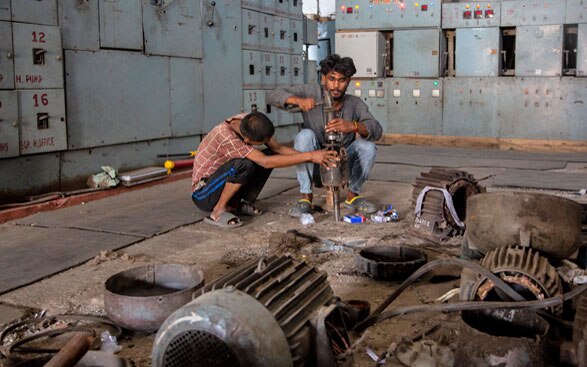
<point>249,209</point>
<point>224,219</point>
<point>360,205</point>
<point>301,207</point>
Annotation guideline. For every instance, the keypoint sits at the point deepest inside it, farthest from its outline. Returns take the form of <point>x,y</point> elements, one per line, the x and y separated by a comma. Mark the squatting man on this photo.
<point>352,118</point>
<point>229,173</point>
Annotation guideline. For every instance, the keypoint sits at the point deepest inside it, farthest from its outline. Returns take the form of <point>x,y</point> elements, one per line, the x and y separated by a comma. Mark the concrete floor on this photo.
<point>45,255</point>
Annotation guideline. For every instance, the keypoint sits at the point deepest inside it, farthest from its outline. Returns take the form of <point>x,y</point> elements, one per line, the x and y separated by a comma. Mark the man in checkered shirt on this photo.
<point>229,173</point>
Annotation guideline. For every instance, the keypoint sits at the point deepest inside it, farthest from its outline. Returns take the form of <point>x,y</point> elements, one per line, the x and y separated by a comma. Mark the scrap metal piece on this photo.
<point>547,223</point>
<point>142,298</point>
<point>389,262</point>
<point>523,268</point>
<point>435,220</point>
<point>272,311</point>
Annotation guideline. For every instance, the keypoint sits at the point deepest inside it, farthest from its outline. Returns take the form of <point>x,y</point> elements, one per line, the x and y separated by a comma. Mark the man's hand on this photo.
<point>306,104</point>
<point>339,125</point>
<point>326,158</point>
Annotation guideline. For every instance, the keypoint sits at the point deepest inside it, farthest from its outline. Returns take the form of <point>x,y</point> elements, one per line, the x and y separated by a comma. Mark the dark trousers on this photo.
<point>243,171</point>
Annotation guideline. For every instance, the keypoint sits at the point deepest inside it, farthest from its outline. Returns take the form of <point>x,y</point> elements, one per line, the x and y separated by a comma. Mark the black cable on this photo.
<point>431,265</point>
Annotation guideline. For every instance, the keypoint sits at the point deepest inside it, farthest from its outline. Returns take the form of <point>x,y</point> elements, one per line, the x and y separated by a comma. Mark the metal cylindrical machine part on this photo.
<point>260,314</point>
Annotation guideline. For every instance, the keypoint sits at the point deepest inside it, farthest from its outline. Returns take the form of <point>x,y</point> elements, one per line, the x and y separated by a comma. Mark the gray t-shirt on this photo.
<point>353,109</point>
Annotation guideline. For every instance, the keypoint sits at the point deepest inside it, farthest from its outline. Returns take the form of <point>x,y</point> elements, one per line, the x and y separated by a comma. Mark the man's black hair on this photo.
<point>257,127</point>
<point>334,62</point>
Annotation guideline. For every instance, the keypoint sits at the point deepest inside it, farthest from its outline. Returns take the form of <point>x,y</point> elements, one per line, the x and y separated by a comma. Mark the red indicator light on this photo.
<point>489,13</point>
<point>349,10</point>
<point>478,14</point>
<point>467,14</point>
<point>424,7</point>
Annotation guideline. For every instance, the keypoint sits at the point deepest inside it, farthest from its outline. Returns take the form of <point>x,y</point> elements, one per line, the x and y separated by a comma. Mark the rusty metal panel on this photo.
<point>576,11</point>
<point>415,106</point>
<point>574,126</point>
<point>101,114</point>
<point>187,96</point>
<point>310,72</point>
<point>470,107</point>
<point>539,50</point>
<point>295,9</point>
<point>9,135</point>
<point>282,30</point>
<point>533,108</point>
<point>251,4</point>
<point>282,8</point>
<point>223,62</point>
<point>297,69</point>
<point>42,121</point>
<point>266,32</point>
<point>38,58</point>
<point>283,70</point>
<point>121,24</point>
<point>35,11</point>
<point>80,24</point>
<point>252,69</point>
<point>310,34</point>
<point>6,56</point>
<point>582,50</point>
<point>29,175</point>
<point>251,30</point>
<point>532,12</point>
<point>296,28</point>
<point>267,6</point>
<point>5,13</point>
<point>268,69</point>
<point>173,29</point>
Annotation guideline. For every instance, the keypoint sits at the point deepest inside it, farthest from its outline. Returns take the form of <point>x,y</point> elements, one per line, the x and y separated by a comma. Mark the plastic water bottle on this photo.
<point>307,219</point>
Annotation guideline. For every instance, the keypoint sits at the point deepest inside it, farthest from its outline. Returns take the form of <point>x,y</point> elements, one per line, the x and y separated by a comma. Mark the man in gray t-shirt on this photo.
<point>353,117</point>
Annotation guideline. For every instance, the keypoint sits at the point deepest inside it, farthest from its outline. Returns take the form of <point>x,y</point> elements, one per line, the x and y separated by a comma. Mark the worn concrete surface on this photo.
<point>160,224</point>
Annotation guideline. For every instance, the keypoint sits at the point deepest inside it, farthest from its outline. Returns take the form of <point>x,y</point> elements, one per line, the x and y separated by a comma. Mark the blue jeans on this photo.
<point>361,156</point>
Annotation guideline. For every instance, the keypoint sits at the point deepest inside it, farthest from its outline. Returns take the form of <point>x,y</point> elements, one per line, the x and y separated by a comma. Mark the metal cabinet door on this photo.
<point>6,56</point>
<point>5,13</point>
<point>414,107</point>
<point>187,96</point>
<point>282,8</point>
<point>374,93</point>
<point>251,30</point>
<point>38,58</point>
<point>582,50</point>
<point>310,71</point>
<point>283,70</point>
<point>254,99</point>
<point>9,136</point>
<point>173,29</point>
<point>416,53</point>
<point>267,6</point>
<point>267,34</point>
<point>532,12</point>
<point>576,11</point>
<point>35,11</point>
<point>477,51</point>
<point>42,121</point>
<point>295,9</point>
<point>121,24</point>
<point>251,4</point>
<point>297,69</point>
<point>310,32</point>
<point>268,69</point>
<point>539,50</point>
<point>251,69</point>
<point>282,40</point>
<point>80,24</point>
<point>296,36</point>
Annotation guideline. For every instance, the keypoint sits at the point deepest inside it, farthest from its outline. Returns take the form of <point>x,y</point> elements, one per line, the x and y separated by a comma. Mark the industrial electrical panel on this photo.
<point>497,69</point>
